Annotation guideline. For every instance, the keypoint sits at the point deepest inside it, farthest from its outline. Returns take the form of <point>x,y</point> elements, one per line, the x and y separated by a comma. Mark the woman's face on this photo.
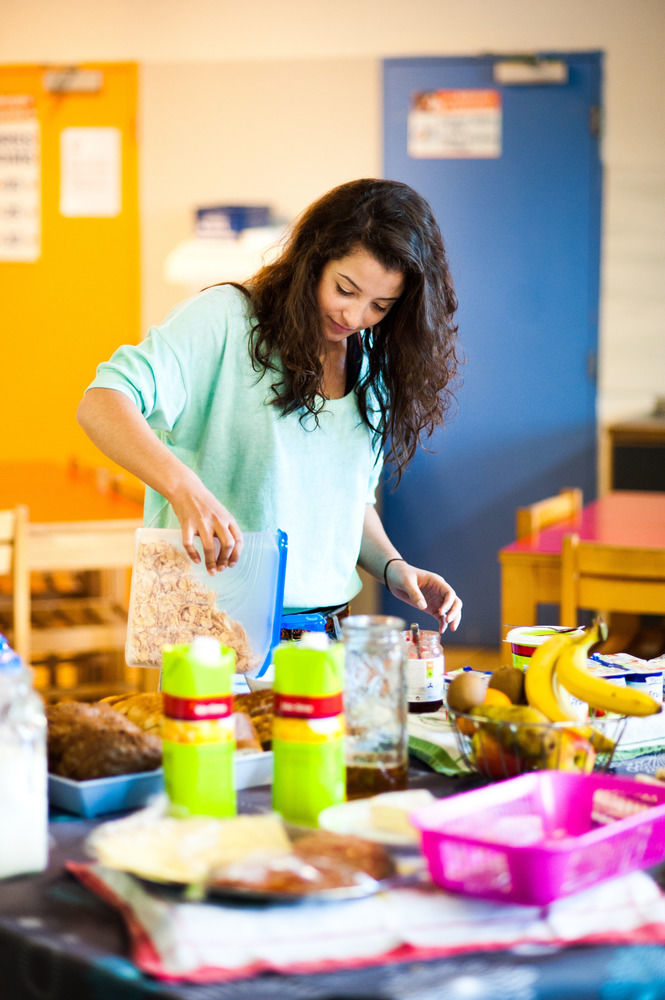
<point>354,293</point>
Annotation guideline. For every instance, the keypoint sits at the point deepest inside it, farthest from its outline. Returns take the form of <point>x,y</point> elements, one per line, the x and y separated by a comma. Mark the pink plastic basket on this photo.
<point>543,835</point>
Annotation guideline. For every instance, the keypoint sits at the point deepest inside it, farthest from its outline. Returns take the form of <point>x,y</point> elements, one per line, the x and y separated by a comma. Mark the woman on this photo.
<point>269,405</point>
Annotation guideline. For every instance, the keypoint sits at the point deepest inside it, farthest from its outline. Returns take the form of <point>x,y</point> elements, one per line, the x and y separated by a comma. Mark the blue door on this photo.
<point>519,207</point>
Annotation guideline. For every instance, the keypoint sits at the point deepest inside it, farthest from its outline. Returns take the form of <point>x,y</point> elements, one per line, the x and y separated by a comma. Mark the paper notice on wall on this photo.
<point>90,172</point>
<point>455,124</point>
<point>20,179</point>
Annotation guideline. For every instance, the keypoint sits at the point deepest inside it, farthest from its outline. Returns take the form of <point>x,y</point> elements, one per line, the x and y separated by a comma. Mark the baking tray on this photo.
<point>131,791</point>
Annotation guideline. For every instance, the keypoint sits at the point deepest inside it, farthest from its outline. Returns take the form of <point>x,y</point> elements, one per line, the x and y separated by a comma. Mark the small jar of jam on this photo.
<point>424,670</point>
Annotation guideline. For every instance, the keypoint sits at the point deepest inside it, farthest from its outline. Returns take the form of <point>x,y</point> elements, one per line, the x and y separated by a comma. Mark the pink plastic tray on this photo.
<point>542,835</point>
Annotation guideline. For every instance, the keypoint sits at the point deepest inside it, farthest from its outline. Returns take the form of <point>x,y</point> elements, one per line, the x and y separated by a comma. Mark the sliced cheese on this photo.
<point>186,850</point>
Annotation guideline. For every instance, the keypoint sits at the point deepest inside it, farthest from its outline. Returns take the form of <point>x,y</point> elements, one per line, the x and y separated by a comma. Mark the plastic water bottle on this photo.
<point>198,736</point>
<point>309,771</point>
<point>23,769</point>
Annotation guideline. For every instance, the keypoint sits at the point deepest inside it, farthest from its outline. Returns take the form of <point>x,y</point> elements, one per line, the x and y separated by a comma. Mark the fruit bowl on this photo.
<point>499,748</point>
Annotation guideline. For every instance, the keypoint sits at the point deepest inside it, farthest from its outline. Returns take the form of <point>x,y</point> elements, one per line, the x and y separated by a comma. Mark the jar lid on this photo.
<point>380,623</point>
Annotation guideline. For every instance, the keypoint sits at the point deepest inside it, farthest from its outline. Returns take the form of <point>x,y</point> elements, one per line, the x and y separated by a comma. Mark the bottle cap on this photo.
<point>206,650</point>
<point>314,640</point>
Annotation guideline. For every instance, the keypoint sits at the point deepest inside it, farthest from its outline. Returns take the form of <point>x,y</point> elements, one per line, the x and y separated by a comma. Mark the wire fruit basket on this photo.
<point>500,748</point>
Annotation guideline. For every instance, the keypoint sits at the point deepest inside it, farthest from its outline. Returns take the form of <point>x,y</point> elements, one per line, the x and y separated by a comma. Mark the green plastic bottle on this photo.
<point>308,728</point>
<point>198,736</point>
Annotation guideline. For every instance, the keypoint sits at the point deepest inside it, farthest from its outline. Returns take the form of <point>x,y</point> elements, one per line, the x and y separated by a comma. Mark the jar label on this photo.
<point>296,706</point>
<point>199,732</point>
<point>324,730</point>
<point>425,679</point>
<point>218,707</point>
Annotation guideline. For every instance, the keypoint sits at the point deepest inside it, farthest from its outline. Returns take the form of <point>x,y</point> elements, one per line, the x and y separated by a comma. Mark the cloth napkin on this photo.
<point>432,740</point>
<point>215,942</point>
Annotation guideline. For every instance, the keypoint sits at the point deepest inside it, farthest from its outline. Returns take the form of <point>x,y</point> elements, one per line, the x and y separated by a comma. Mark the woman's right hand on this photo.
<point>201,514</point>
<point>119,429</point>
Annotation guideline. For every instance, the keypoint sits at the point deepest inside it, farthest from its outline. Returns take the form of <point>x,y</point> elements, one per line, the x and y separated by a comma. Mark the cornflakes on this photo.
<point>170,606</point>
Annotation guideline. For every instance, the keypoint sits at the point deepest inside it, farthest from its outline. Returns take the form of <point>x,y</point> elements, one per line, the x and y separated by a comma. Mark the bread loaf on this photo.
<point>94,741</point>
<point>253,715</point>
<point>143,708</point>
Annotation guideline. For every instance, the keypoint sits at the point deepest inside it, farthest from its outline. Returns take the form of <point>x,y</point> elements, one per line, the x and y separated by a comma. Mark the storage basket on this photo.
<point>501,749</point>
<point>540,836</point>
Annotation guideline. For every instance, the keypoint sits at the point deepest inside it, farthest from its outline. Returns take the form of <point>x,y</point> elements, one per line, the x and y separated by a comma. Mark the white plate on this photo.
<point>364,886</point>
<point>355,818</point>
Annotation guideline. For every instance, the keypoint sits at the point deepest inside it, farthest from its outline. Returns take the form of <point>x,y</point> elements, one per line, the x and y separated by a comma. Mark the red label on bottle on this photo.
<point>218,707</point>
<point>296,706</point>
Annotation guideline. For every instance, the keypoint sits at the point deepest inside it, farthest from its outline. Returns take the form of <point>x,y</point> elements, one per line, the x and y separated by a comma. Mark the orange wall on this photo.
<point>66,311</point>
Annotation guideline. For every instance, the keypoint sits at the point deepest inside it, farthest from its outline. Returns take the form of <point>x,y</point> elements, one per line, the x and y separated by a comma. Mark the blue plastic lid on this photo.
<point>308,621</point>
<point>10,661</point>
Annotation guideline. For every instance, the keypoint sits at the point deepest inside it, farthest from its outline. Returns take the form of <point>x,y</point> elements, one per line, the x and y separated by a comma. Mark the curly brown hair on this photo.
<point>412,359</point>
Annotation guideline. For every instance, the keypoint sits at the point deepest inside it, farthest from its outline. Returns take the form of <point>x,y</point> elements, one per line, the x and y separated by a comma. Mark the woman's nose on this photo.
<point>353,316</point>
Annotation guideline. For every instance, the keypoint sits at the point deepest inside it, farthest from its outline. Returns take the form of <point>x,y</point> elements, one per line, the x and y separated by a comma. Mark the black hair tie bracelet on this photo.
<point>385,571</point>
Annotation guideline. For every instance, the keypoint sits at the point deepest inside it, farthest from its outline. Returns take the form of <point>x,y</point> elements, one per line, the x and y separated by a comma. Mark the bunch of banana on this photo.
<point>558,669</point>
<point>540,682</point>
<point>572,672</point>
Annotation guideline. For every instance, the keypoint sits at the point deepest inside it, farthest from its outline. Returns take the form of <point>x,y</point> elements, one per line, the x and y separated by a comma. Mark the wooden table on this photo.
<point>531,568</point>
<point>78,523</point>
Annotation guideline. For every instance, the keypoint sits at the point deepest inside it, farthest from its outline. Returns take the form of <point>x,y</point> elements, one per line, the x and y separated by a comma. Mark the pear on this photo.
<point>522,729</point>
<point>510,680</point>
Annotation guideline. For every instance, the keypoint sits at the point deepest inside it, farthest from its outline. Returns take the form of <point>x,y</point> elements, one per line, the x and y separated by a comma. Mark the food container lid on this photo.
<point>632,667</point>
<point>536,635</point>
<point>173,600</point>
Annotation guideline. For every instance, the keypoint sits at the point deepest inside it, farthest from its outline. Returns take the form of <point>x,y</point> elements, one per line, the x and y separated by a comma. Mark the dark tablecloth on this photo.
<point>60,942</point>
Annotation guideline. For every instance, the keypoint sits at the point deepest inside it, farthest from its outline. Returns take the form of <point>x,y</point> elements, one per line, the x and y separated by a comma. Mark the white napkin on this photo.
<point>211,942</point>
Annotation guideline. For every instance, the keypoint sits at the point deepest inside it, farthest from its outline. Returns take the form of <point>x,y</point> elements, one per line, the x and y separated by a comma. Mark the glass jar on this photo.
<point>424,670</point>
<point>375,705</point>
<point>23,770</point>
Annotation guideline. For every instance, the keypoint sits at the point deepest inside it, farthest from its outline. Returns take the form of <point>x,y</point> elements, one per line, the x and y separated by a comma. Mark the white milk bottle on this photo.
<point>23,770</point>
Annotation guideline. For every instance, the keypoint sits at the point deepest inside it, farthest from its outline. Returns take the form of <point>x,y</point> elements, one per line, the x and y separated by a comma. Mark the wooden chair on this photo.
<point>564,505</point>
<point>64,632</point>
<point>610,578</point>
<point>14,565</point>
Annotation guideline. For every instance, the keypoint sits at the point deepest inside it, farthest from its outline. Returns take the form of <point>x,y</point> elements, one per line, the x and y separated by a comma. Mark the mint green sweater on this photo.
<point>193,381</point>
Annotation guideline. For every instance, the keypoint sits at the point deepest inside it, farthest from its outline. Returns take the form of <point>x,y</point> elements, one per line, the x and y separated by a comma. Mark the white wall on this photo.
<point>265,101</point>
<point>278,133</point>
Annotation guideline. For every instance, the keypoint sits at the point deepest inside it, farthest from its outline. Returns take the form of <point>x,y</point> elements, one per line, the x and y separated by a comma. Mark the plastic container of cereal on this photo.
<point>172,600</point>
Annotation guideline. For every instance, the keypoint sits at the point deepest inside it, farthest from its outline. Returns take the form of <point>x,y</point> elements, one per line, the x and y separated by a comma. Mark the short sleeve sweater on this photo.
<point>193,380</point>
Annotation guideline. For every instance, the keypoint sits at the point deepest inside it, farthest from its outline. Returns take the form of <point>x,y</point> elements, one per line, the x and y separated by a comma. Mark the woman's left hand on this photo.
<point>425,591</point>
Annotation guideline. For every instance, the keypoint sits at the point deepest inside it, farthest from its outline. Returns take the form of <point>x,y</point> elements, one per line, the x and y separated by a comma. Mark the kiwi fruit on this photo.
<point>466,690</point>
<point>510,680</point>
